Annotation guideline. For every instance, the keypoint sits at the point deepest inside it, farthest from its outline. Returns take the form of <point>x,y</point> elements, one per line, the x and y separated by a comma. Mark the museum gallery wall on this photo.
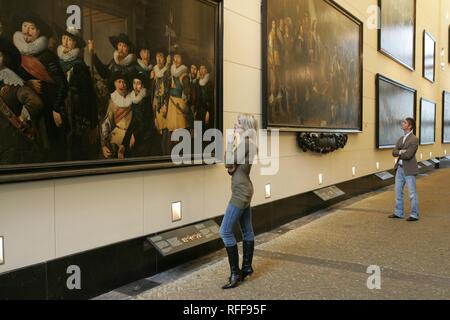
<point>67,216</point>
<point>427,122</point>
<point>312,66</point>
<point>111,94</point>
<point>306,64</point>
<point>133,77</point>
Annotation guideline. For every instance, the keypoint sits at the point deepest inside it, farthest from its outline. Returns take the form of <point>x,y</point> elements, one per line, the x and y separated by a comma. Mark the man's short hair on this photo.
<point>412,123</point>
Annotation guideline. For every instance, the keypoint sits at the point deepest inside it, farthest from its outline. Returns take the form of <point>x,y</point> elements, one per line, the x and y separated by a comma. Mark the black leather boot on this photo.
<point>233,259</point>
<point>249,248</point>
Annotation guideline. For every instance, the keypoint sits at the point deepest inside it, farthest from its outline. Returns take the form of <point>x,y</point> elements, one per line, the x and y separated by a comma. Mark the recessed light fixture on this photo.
<point>2,252</point>
<point>176,211</point>
<point>320,179</point>
<point>268,191</point>
<point>378,166</point>
<point>354,171</point>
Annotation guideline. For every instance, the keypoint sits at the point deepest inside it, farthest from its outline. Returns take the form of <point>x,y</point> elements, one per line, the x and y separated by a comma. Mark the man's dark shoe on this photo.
<point>411,219</point>
<point>393,216</point>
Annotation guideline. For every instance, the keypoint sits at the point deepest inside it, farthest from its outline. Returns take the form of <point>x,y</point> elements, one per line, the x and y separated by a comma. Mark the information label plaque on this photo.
<point>329,193</point>
<point>385,175</point>
<point>427,163</point>
<point>175,241</point>
<point>436,161</point>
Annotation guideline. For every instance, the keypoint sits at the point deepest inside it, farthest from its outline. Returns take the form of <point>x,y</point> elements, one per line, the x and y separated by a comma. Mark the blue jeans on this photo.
<point>234,215</point>
<point>400,180</point>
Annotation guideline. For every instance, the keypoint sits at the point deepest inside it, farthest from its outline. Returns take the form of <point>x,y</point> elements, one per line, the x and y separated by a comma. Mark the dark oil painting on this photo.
<point>312,66</point>
<point>446,117</point>
<point>429,57</point>
<point>427,122</point>
<point>395,102</point>
<point>397,33</point>
<point>112,90</point>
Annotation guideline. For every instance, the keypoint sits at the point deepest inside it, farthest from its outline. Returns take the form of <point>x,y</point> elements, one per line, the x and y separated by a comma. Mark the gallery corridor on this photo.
<point>327,255</point>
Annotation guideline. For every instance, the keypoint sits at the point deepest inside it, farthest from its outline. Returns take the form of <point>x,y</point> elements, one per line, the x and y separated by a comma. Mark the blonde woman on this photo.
<point>241,150</point>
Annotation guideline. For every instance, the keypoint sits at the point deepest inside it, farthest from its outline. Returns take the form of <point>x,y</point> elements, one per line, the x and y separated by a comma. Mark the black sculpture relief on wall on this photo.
<point>322,143</point>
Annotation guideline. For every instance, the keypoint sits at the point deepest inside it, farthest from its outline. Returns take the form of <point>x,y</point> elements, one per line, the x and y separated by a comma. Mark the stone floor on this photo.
<point>326,256</point>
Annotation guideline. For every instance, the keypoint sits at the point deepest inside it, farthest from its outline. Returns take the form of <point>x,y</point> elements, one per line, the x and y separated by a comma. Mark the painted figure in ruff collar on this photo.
<point>160,85</point>
<point>205,99</point>
<point>124,60</point>
<point>141,139</point>
<point>144,65</point>
<point>22,130</point>
<point>81,103</point>
<point>40,68</point>
<point>178,112</point>
<point>118,119</point>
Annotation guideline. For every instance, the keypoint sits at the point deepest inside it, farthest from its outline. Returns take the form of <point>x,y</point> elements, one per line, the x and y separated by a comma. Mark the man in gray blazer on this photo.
<point>407,170</point>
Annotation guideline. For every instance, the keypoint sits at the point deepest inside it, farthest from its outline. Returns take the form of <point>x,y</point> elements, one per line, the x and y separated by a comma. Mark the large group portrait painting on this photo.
<point>116,88</point>
<point>313,66</point>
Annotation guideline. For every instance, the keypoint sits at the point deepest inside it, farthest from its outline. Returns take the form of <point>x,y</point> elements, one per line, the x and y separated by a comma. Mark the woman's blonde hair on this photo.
<point>249,125</point>
<point>248,122</point>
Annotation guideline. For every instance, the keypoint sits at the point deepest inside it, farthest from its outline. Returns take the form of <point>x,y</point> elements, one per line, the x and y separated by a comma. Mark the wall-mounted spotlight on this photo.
<point>176,211</point>
<point>268,191</point>
<point>320,179</point>
<point>2,251</point>
<point>353,171</point>
<point>378,166</point>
